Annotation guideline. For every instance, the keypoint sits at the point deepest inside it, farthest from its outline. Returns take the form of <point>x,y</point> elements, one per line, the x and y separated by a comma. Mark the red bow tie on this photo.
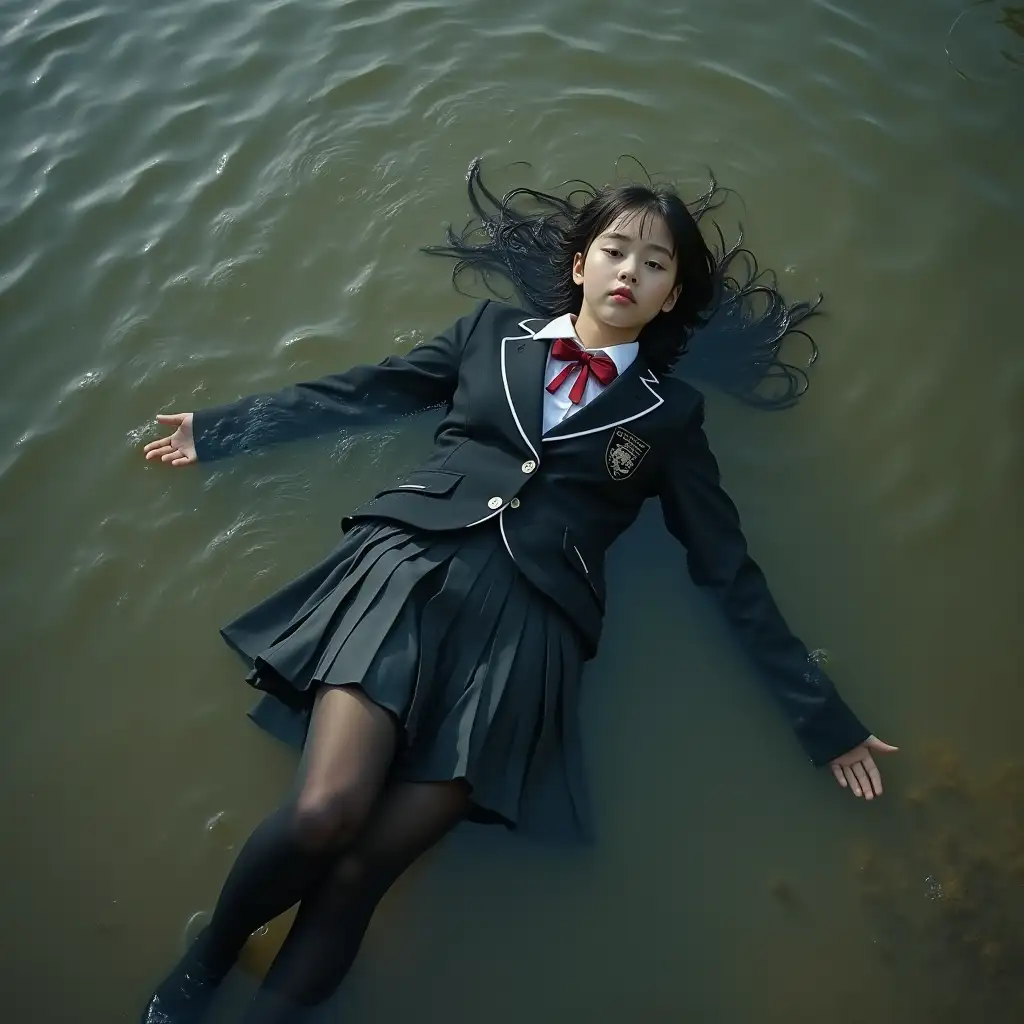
<point>580,359</point>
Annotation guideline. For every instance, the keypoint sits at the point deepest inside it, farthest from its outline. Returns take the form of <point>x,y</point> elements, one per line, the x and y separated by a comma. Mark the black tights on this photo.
<point>335,847</point>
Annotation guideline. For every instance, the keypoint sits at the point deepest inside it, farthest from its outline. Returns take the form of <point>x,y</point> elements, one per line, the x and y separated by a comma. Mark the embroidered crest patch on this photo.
<point>624,453</point>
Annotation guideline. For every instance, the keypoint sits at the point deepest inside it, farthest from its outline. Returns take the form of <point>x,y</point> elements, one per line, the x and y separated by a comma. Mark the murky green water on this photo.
<point>199,199</point>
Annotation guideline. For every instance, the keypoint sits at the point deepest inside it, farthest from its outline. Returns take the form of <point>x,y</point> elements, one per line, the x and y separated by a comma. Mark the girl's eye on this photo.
<point>655,264</point>
<point>613,252</point>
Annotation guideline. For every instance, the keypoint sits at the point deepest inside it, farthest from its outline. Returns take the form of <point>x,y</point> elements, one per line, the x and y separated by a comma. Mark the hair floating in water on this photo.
<point>520,239</point>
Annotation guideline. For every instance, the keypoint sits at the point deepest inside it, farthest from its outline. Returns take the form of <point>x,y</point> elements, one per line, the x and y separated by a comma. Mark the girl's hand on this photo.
<point>857,770</point>
<point>177,449</point>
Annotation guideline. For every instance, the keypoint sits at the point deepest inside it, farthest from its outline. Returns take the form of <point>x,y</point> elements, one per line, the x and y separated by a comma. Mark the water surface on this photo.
<point>199,199</point>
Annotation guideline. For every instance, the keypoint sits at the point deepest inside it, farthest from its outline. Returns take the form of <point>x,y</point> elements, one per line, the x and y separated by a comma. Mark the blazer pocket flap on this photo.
<point>436,482</point>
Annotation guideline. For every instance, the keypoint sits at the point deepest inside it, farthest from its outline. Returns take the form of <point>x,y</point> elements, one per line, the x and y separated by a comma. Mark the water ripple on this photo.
<point>735,73</point>
<point>845,14</point>
<point>200,198</point>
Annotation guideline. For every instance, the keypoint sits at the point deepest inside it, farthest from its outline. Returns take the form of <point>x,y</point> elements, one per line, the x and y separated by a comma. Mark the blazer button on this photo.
<point>529,466</point>
<point>495,502</point>
<point>514,503</point>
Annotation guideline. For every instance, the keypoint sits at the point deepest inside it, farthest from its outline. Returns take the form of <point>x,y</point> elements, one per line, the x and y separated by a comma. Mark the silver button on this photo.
<point>495,502</point>
<point>514,503</point>
<point>529,466</point>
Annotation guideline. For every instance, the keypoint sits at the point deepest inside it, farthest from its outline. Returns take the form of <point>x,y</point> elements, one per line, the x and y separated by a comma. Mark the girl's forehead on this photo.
<point>643,226</point>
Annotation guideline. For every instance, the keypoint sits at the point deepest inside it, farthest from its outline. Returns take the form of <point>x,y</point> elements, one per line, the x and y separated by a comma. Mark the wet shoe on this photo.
<point>184,995</point>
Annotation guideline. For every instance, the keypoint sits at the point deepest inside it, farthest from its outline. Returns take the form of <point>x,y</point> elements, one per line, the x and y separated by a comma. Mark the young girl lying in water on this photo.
<point>436,653</point>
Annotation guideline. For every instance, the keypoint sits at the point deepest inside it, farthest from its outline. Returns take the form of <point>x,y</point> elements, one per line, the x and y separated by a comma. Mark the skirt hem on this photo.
<point>479,669</point>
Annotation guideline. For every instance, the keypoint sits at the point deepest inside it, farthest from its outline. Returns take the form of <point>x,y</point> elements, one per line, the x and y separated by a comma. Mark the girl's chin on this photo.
<point>616,315</point>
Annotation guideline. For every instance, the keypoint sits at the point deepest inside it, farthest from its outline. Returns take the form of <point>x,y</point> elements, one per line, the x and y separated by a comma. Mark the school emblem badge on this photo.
<point>624,453</point>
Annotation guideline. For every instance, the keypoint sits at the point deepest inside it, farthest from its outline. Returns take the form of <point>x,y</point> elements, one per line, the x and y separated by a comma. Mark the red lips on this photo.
<point>626,293</point>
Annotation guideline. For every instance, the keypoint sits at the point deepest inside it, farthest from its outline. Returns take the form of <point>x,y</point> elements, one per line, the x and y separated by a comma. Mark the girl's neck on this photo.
<point>594,333</point>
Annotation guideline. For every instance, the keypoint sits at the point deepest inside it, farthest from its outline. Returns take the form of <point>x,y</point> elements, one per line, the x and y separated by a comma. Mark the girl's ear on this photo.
<point>577,268</point>
<point>672,299</point>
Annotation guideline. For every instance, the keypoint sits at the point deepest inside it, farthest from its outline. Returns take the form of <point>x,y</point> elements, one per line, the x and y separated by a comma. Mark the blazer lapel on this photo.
<point>633,394</point>
<point>522,375</point>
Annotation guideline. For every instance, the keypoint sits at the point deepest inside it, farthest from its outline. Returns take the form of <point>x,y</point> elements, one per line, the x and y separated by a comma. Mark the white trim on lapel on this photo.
<point>646,381</point>
<point>504,379</point>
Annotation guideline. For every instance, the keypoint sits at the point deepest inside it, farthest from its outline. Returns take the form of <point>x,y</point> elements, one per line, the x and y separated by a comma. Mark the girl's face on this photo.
<point>628,273</point>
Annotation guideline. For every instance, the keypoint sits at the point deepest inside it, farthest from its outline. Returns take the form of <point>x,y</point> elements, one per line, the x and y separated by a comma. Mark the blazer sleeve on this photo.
<point>702,517</point>
<point>363,396</point>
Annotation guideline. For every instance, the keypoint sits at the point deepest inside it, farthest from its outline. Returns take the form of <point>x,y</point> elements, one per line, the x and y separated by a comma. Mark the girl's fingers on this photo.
<point>177,418</point>
<point>851,780</point>
<point>838,773</point>
<point>874,743</point>
<point>158,444</point>
<point>865,782</point>
<point>874,775</point>
<point>169,453</point>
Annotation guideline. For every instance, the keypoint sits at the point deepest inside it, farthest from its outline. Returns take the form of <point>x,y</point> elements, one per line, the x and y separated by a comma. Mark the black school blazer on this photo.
<point>558,500</point>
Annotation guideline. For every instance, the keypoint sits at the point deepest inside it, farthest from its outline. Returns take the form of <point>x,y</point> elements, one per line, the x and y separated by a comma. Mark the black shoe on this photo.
<point>184,995</point>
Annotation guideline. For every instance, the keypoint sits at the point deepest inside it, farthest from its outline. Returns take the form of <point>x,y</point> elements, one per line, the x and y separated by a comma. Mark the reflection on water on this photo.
<point>956,890</point>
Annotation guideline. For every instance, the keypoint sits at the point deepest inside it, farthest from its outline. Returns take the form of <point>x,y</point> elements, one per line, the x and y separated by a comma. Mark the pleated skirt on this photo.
<point>480,670</point>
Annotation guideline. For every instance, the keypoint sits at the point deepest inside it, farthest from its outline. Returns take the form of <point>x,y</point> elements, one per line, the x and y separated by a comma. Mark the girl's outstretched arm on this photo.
<point>701,515</point>
<point>361,397</point>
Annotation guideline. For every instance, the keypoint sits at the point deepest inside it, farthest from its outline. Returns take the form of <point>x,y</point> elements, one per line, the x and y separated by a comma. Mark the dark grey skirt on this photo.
<point>479,668</point>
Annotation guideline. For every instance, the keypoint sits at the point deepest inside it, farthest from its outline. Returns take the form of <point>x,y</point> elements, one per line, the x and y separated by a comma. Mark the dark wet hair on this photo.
<point>729,321</point>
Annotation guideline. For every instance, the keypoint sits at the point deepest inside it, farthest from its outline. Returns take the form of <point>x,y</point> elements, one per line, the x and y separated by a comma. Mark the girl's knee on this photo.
<point>352,871</point>
<point>328,817</point>
<point>356,873</point>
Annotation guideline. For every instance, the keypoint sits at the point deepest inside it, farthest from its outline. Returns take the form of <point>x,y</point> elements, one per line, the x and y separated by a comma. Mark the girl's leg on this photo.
<point>331,922</point>
<point>345,764</point>
<point>348,753</point>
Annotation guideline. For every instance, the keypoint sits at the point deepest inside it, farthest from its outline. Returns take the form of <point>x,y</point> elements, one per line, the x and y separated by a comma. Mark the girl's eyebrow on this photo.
<point>619,237</point>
